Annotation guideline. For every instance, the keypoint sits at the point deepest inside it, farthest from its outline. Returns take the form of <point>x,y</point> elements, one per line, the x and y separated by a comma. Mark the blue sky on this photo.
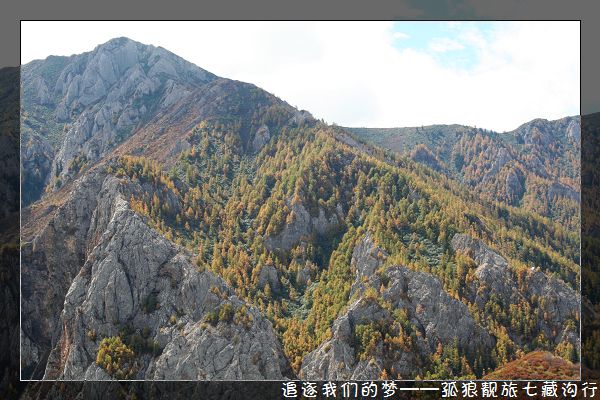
<point>495,75</point>
<point>444,41</point>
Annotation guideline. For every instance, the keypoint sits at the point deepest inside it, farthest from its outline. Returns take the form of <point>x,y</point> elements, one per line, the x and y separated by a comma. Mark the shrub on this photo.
<point>212,318</point>
<point>243,317</point>
<point>116,358</point>
<point>226,313</point>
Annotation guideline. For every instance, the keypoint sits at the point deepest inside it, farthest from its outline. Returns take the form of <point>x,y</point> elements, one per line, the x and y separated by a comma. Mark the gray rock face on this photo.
<point>129,275</point>
<point>366,258</point>
<point>116,84</point>
<point>42,95</point>
<point>503,157</point>
<point>227,352</point>
<point>556,301</point>
<point>541,132</point>
<point>50,261</point>
<point>104,95</point>
<point>515,186</point>
<point>535,164</point>
<point>559,190</point>
<point>559,303</point>
<point>303,226</point>
<point>261,137</point>
<point>36,155</point>
<point>537,135</point>
<point>306,274</point>
<point>268,275</point>
<point>493,270</point>
<point>301,117</point>
<point>428,308</point>
<point>574,130</point>
<point>335,359</point>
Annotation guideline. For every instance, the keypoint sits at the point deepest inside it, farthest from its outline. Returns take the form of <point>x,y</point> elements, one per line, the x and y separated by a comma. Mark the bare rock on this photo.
<point>429,309</point>
<point>366,258</point>
<point>556,300</point>
<point>268,275</point>
<point>261,137</point>
<point>560,190</point>
<point>514,186</point>
<point>122,274</point>
<point>302,227</point>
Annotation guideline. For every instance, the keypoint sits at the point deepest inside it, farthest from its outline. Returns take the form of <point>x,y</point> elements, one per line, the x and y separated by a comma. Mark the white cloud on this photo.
<point>443,45</point>
<point>352,74</point>
<point>401,35</point>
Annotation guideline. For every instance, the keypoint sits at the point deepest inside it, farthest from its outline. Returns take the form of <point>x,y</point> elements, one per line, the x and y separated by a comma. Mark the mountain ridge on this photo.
<point>223,214</point>
<point>535,166</point>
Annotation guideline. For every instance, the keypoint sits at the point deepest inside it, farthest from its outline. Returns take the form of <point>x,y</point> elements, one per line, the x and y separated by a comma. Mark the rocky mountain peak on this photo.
<point>544,132</point>
<point>92,102</point>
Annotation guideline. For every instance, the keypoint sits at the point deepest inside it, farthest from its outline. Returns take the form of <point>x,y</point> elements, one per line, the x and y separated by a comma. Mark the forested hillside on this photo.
<point>219,214</point>
<point>535,167</point>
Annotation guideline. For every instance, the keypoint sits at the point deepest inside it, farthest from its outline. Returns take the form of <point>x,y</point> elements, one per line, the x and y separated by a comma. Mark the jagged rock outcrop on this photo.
<point>261,137</point>
<point>306,274</point>
<point>303,225</point>
<point>336,358</point>
<point>429,309</point>
<point>534,164</point>
<point>36,160</point>
<point>133,278</point>
<point>574,130</point>
<point>268,275</point>
<point>112,88</point>
<point>515,186</point>
<point>556,301</point>
<point>366,258</point>
<point>492,270</point>
<point>559,190</point>
<point>301,117</point>
<point>51,257</point>
<point>502,158</point>
<point>99,98</point>
<point>541,132</point>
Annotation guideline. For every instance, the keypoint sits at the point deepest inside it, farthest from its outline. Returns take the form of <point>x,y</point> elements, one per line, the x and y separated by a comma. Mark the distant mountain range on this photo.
<point>536,166</point>
<point>179,225</point>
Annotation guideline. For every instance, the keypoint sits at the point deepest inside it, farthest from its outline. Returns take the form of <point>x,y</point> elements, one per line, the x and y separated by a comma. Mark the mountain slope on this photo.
<point>229,235</point>
<point>536,365</point>
<point>76,109</point>
<point>535,166</point>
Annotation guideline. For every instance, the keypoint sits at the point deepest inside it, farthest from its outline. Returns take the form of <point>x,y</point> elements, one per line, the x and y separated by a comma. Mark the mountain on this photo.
<point>179,225</point>
<point>535,167</point>
<point>78,108</point>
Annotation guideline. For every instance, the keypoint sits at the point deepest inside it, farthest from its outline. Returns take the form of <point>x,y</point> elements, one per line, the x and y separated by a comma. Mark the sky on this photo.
<point>494,75</point>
